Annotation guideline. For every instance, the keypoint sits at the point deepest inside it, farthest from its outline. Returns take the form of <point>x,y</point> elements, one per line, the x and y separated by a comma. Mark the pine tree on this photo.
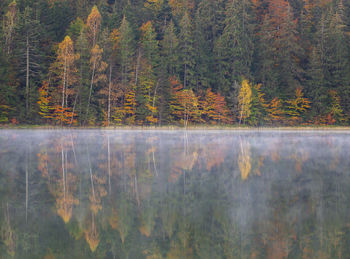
<point>186,52</point>
<point>169,46</point>
<point>208,26</point>
<point>235,46</point>
<point>29,54</point>
<point>126,51</point>
<point>6,92</point>
<point>169,67</point>
<point>279,51</point>
<point>146,86</point>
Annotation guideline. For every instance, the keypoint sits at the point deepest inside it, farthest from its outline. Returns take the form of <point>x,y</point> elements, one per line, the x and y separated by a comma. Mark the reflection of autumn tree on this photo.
<point>213,155</point>
<point>184,162</point>
<point>97,188</point>
<point>300,156</point>
<point>7,234</point>
<point>91,233</point>
<point>62,183</point>
<point>244,159</point>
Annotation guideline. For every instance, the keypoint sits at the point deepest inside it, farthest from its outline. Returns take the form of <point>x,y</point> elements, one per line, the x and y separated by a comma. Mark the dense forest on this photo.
<point>162,62</point>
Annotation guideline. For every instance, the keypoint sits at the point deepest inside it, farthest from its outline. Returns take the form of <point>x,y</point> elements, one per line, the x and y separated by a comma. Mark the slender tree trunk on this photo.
<point>91,85</point>
<point>137,67</point>
<point>64,81</point>
<point>241,115</point>
<point>75,103</point>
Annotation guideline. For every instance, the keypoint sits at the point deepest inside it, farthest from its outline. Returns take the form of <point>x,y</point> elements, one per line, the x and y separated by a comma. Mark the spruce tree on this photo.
<point>186,52</point>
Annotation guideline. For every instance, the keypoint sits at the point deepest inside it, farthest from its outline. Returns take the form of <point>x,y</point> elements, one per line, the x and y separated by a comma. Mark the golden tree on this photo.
<point>65,75</point>
<point>245,100</point>
<point>93,24</point>
<point>297,106</point>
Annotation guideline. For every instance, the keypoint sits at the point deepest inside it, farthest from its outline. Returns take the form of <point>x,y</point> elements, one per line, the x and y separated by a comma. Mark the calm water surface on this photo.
<point>172,194</point>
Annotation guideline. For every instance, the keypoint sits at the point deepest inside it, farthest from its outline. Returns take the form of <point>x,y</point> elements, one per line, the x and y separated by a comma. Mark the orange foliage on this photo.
<point>44,101</point>
<point>214,108</point>
<point>63,115</point>
<point>274,110</point>
<point>297,107</point>
<point>185,105</point>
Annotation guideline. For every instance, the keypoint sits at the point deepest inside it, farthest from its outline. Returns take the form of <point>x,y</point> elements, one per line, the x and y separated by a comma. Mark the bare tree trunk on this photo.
<point>64,81</point>
<point>91,84</point>
<point>137,67</point>
<point>241,115</point>
<point>75,103</point>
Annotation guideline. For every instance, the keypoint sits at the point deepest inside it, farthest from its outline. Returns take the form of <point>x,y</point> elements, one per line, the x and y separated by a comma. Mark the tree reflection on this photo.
<point>165,195</point>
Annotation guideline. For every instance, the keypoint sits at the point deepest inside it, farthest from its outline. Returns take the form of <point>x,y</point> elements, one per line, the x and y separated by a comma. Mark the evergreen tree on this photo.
<point>186,52</point>
<point>126,51</point>
<point>29,56</point>
<point>208,26</point>
<point>235,47</point>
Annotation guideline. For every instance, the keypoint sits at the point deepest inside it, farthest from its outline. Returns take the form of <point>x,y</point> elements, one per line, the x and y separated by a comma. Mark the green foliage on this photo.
<point>279,46</point>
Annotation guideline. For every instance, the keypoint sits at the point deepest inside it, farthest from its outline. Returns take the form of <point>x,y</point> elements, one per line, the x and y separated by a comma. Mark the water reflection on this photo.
<point>107,194</point>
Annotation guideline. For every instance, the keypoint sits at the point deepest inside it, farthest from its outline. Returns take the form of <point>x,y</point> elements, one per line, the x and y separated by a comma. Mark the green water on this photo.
<point>172,194</point>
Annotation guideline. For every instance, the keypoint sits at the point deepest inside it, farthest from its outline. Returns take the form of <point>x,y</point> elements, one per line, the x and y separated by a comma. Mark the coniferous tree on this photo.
<point>235,47</point>
<point>186,52</point>
<point>29,56</point>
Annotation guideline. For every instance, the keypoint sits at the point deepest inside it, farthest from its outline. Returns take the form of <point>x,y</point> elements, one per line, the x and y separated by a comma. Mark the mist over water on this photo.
<point>174,194</point>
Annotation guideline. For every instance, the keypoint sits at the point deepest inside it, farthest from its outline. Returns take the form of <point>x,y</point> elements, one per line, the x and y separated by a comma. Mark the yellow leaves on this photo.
<point>126,113</point>
<point>93,23</point>
<point>274,109</point>
<point>244,161</point>
<point>297,106</point>
<point>185,104</point>
<point>155,5</point>
<point>336,111</point>
<point>64,206</point>
<point>146,27</point>
<point>4,112</point>
<point>115,38</point>
<point>98,64</point>
<point>44,101</point>
<point>179,7</point>
<point>114,219</point>
<point>92,236</point>
<point>245,100</point>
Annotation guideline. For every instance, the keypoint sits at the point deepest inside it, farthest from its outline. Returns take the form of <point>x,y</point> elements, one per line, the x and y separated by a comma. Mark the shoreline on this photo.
<point>179,128</point>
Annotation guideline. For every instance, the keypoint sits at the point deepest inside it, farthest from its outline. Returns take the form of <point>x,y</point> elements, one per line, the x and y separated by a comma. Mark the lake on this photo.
<point>174,194</point>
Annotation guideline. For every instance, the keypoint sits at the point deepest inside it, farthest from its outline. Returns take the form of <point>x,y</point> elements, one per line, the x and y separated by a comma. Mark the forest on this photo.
<point>175,62</point>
